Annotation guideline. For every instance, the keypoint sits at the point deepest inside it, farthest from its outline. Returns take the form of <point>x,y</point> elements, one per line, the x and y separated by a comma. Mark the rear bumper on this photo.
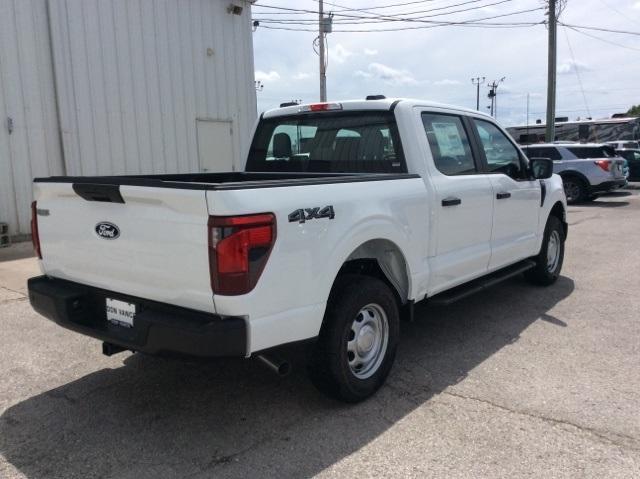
<point>158,328</point>
<point>608,186</point>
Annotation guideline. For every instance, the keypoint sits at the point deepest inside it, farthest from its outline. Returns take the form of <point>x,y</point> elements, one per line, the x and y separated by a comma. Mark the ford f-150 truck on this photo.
<point>346,214</point>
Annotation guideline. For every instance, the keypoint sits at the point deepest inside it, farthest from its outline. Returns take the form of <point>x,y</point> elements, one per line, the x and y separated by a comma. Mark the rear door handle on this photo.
<point>503,195</point>
<point>451,201</point>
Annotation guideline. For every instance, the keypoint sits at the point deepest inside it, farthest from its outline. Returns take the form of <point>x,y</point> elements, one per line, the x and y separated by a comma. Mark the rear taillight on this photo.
<point>35,236</point>
<point>604,164</point>
<point>239,247</point>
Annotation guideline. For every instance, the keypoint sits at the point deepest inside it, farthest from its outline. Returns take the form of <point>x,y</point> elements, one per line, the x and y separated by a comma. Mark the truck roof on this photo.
<point>385,104</point>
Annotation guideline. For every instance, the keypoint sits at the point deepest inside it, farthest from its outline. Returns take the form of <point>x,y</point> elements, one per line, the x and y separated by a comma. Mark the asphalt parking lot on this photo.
<point>519,382</point>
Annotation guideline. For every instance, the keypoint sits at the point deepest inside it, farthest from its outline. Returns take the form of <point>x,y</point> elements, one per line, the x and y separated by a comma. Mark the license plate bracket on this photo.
<point>120,312</point>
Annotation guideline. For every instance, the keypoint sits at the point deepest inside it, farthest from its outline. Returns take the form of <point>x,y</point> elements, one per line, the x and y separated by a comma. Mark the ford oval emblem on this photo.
<point>107,230</point>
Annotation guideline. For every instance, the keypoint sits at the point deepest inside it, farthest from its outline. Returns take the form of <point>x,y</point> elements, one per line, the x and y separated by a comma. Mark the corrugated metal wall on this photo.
<point>27,97</point>
<point>134,75</point>
<point>131,79</point>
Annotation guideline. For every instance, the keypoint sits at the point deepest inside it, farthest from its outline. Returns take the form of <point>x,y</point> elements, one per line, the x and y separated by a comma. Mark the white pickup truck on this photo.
<point>345,216</point>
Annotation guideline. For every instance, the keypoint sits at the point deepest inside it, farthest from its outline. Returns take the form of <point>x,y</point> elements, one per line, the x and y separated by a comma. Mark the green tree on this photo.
<point>634,110</point>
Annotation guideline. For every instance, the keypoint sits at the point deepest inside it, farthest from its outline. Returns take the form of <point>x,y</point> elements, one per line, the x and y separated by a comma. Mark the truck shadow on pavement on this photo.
<point>604,204</point>
<point>233,418</point>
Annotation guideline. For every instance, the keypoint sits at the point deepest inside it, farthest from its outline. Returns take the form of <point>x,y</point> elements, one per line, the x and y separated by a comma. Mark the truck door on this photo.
<point>516,197</point>
<point>462,213</point>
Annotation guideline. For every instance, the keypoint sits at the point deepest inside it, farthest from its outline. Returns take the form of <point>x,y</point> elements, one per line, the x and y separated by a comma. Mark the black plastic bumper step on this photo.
<point>477,285</point>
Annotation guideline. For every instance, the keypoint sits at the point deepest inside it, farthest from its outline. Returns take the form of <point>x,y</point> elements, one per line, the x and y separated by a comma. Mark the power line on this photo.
<point>378,7</point>
<point>377,18</point>
<point>401,14</point>
<point>577,70</point>
<point>374,16</point>
<point>610,7</point>
<point>600,29</point>
<point>601,39</point>
<point>435,23</point>
<point>382,19</point>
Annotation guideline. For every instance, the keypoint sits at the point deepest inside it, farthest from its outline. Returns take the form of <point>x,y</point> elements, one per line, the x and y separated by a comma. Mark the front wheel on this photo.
<point>357,343</point>
<point>549,260</point>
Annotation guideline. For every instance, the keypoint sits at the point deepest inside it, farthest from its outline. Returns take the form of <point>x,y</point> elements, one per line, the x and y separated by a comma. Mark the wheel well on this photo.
<point>574,174</point>
<point>559,212</point>
<point>380,259</point>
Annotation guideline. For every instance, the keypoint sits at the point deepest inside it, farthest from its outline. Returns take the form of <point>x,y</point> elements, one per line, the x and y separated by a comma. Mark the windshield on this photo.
<point>345,142</point>
<point>585,152</point>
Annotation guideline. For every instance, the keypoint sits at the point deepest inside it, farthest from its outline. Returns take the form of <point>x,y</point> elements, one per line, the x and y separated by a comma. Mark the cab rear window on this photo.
<point>344,142</point>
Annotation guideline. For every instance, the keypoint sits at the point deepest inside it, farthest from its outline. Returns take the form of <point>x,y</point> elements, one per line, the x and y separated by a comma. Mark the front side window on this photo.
<point>449,144</point>
<point>344,142</point>
<point>502,156</point>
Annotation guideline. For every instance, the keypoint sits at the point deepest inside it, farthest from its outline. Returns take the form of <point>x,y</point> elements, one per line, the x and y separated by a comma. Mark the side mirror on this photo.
<point>541,168</point>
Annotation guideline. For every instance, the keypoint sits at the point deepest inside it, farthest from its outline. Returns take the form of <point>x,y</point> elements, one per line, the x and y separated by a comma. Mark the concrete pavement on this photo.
<point>519,382</point>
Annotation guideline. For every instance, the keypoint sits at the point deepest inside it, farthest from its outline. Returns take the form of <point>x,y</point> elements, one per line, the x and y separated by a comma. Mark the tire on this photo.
<point>549,263</point>
<point>341,366</point>
<point>574,189</point>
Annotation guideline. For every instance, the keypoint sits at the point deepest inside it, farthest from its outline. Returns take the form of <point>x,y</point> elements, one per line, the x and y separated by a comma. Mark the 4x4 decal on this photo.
<point>316,213</point>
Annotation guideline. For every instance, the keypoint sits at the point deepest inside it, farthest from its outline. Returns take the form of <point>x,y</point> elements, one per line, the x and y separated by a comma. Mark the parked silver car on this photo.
<point>587,169</point>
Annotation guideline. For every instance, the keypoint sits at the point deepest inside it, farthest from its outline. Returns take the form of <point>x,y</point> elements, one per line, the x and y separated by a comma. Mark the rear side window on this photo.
<point>449,144</point>
<point>586,152</point>
<point>543,152</point>
<point>345,142</point>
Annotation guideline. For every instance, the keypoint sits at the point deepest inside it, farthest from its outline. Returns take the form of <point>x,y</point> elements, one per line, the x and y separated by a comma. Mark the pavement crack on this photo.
<point>622,441</point>
<point>14,300</point>
<point>13,291</point>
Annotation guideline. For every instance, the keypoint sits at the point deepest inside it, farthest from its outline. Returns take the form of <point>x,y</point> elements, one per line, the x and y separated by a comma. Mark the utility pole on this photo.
<point>477,82</point>
<point>551,72</point>
<point>493,95</point>
<point>321,34</point>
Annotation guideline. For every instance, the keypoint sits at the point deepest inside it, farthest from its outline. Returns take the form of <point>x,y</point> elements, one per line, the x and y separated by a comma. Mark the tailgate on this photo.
<point>618,169</point>
<point>154,245</point>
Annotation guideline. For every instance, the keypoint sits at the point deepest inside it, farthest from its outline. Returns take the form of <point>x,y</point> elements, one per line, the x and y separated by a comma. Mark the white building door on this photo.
<point>215,145</point>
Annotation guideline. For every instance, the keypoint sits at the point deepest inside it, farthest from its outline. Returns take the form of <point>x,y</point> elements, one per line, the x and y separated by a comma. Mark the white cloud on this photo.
<point>370,52</point>
<point>267,77</point>
<point>572,66</point>
<point>339,53</point>
<point>301,76</point>
<point>362,74</point>
<point>391,75</point>
<point>447,82</point>
<point>636,5</point>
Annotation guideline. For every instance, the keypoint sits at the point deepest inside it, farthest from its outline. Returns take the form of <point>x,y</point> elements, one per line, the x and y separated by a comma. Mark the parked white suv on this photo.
<point>587,169</point>
<point>345,216</point>
<point>624,144</point>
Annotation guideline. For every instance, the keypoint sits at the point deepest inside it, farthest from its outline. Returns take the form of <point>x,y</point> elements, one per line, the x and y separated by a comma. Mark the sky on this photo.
<point>596,76</point>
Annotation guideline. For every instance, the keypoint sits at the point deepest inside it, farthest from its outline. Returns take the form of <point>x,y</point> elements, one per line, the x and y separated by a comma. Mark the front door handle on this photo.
<point>503,195</point>
<point>451,201</point>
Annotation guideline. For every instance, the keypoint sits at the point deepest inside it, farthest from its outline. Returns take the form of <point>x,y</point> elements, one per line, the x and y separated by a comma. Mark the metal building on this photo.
<point>100,87</point>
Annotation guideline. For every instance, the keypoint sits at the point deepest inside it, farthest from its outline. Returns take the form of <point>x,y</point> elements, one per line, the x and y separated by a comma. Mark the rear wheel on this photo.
<point>358,339</point>
<point>549,260</point>
<point>574,189</point>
